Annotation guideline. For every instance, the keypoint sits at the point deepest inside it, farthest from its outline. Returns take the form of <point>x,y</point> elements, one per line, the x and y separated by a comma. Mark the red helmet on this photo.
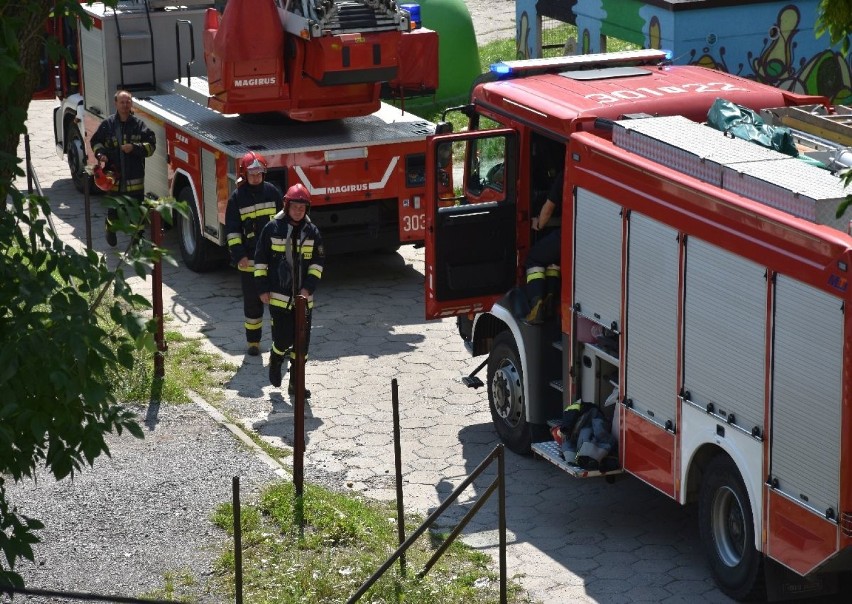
<point>250,161</point>
<point>105,179</point>
<point>298,192</point>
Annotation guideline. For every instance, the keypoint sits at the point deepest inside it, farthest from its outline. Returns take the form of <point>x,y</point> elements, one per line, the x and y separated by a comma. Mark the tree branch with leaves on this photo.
<point>69,323</point>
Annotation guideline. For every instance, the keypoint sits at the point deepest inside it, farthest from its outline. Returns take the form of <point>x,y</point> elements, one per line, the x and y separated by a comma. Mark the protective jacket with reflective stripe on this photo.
<point>107,140</point>
<point>288,258</point>
<point>250,208</point>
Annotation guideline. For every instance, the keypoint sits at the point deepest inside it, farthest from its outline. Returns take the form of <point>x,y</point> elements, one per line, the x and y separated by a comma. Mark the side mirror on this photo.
<point>443,128</point>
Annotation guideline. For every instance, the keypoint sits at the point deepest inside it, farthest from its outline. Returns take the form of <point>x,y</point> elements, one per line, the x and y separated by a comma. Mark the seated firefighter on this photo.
<point>542,265</point>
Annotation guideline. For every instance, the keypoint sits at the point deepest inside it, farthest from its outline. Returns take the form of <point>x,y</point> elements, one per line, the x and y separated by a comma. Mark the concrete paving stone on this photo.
<point>657,552</point>
<point>423,477</point>
<point>619,543</point>
<point>583,537</point>
<point>687,570</point>
<point>694,587</point>
<point>654,565</point>
<point>709,597</point>
<point>581,565</point>
<point>606,588</point>
<point>648,593</point>
<point>613,571</point>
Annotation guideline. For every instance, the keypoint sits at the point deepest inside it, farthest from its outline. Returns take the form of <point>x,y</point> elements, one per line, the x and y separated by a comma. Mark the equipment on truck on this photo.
<point>297,81</point>
<point>695,270</point>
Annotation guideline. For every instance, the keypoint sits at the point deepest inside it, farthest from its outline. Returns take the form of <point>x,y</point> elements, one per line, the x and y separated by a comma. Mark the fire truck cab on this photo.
<point>698,335</point>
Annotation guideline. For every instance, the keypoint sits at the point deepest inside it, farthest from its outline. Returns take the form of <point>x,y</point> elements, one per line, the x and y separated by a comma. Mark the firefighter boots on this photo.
<point>291,387</point>
<point>253,349</point>
<point>111,238</point>
<point>276,361</point>
<point>536,314</point>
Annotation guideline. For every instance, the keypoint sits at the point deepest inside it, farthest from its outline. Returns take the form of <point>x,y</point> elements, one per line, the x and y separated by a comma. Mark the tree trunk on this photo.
<point>27,22</point>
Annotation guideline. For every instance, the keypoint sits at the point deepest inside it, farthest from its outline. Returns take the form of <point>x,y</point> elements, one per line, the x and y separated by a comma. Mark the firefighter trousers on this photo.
<point>542,267</point>
<point>252,307</point>
<point>284,331</point>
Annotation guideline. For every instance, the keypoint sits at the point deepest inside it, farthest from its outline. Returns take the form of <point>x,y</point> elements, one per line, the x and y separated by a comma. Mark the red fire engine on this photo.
<point>299,82</point>
<point>701,317</point>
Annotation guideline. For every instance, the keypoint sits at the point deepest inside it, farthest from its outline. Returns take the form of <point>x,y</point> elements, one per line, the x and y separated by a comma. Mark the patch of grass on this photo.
<point>341,541</point>
<point>175,583</point>
<point>187,366</point>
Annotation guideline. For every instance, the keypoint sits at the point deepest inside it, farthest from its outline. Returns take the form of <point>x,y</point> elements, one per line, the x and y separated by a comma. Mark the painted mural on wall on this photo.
<point>770,42</point>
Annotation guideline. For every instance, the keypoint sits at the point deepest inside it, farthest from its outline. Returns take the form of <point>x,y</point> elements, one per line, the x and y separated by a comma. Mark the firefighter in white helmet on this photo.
<point>288,262</point>
<point>251,206</point>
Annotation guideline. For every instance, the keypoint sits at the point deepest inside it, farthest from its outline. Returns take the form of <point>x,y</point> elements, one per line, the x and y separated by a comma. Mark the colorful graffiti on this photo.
<point>780,48</point>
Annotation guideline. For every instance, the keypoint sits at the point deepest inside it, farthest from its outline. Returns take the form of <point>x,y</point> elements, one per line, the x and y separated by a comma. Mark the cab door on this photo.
<point>471,221</point>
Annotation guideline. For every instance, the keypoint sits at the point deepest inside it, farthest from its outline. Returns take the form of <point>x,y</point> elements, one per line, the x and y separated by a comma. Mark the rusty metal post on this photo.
<point>298,368</point>
<point>157,298</point>
<point>238,542</point>
<point>400,508</point>
<point>87,204</point>
<point>29,164</point>
<point>501,507</point>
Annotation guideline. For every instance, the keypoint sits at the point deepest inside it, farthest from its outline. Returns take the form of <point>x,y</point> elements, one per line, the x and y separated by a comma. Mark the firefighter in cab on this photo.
<point>289,262</point>
<point>251,206</point>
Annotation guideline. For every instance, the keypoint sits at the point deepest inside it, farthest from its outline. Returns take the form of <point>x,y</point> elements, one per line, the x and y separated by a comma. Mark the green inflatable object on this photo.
<point>458,54</point>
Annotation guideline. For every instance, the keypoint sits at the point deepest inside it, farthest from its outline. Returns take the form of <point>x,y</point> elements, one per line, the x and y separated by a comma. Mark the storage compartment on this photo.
<point>585,437</point>
<point>598,376</point>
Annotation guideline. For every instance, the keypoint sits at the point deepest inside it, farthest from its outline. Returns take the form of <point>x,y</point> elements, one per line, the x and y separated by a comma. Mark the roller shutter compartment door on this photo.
<point>725,333</point>
<point>651,322</point>
<point>597,258</point>
<point>806,393</point>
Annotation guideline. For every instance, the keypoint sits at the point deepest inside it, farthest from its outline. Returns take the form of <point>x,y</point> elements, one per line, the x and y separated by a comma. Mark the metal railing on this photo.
<point>498,484</point>
<point>83,597</point>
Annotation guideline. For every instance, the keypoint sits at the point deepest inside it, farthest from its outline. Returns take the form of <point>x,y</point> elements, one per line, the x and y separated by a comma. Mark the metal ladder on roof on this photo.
<point>135,37</point>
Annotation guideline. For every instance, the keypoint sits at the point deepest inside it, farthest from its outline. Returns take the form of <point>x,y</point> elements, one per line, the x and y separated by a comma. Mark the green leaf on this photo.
<point>840,208</point>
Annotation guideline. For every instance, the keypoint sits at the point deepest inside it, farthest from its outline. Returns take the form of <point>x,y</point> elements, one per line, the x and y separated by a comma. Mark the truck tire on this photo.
<point>75,151</point>
<point>727,532</point>
<point>506,394</point>
<point>198,253</point>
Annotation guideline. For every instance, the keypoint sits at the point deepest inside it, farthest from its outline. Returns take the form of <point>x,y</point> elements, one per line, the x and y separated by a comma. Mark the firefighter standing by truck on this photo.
<point>121,144</point>
<point>251,206</point>
<point>288,262</point>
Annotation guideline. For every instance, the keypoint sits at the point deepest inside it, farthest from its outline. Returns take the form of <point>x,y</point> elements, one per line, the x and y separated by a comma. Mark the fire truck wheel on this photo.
<point>198,253</point>
<point>76,154</point>
<point>727,531</point>
<point>506,394</point>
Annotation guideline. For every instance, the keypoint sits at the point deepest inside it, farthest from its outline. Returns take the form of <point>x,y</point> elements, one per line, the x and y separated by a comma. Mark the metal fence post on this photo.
<point>400,508</point>
<point>501,507</point>
<point>157,295</point>
<point>238,542</point>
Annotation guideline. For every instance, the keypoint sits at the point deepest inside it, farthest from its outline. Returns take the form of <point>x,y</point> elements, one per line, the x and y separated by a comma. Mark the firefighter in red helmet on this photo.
<point>288,262</point>
<point>251,206</point>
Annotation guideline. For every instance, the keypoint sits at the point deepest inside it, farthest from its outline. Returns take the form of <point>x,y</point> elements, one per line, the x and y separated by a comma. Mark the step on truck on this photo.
<point>299,82</point>
<point>699,334</point>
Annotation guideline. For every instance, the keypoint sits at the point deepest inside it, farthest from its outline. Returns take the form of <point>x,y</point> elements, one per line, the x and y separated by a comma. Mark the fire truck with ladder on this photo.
<point>701,306</point>
<point>299,81</point>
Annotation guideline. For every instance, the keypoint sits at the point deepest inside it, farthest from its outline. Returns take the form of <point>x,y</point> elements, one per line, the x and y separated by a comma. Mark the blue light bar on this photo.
<point>647,56</point>
<point>501,68</point>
